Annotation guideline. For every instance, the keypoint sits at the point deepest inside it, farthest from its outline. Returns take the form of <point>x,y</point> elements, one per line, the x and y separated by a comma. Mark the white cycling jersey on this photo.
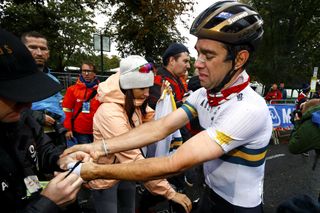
<point>242,126</point>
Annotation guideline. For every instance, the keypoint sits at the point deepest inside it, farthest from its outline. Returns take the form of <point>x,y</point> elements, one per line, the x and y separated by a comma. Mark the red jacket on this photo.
<point>73,100</point>
<point>273,95</point>
<point>176,84</point>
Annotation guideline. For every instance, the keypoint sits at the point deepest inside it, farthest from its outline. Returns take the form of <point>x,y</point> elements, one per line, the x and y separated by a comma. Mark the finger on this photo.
<point>78,182</point>
<point>73,180</point>
<point>86,158</point>
<point>189,205</point>
<point>79,147</point>
<point>59,177</point>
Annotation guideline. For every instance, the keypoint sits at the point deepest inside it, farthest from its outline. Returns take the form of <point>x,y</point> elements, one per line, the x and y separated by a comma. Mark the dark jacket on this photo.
<point>306,134</point>
<point>178,90</point>
<point>25,151</point>
<point>177,86</point>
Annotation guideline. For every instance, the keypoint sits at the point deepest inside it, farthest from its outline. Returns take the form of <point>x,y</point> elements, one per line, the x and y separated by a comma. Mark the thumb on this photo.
<point>94,155</point>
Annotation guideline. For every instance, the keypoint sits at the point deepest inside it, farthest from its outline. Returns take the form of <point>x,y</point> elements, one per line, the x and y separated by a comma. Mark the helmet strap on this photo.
<point>225,80</point>
<point>232,52</point>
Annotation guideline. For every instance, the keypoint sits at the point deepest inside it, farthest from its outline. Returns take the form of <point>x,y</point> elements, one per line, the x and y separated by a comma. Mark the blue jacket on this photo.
<point>51,104</point>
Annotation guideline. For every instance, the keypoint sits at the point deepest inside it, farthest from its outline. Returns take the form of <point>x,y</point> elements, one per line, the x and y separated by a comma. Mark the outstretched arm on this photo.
<point>143,135</point>
<point>198,149</point>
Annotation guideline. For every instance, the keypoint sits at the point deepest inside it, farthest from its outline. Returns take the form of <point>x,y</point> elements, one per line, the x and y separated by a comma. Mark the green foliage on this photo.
<point>290,47</point>
<point>67,25</point>
<point>146,27</point>
<point>108,63</point>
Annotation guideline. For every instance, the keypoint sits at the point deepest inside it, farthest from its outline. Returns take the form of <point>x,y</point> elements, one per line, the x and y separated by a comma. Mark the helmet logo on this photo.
<point>237,17</point>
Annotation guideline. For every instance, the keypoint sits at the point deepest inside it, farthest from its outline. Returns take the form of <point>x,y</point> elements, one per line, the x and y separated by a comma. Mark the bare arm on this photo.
<point>143,135</point>
<point>198,149</point>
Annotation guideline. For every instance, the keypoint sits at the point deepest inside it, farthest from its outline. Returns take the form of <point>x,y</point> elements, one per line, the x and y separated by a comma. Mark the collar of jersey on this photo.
<point>218,98</point>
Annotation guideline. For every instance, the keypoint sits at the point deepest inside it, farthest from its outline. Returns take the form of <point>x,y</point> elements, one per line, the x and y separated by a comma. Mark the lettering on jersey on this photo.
<point>33,154</point>
<point>205,104</point>
<point>5,49</point>
<point>240,97</point>
<point>4,185</point>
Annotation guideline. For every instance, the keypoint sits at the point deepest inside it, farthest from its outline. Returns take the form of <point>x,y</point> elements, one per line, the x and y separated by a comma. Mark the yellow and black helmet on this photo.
<point>229,22</point>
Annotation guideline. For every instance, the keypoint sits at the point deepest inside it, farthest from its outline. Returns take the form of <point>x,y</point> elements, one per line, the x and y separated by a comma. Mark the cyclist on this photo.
<point>236,119</point>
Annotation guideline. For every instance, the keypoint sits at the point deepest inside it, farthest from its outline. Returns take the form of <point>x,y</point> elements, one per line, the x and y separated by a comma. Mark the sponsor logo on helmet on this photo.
<point>237,17</point>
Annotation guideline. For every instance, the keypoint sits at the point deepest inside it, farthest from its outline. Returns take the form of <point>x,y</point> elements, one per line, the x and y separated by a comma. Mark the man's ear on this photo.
<point>171,62</point>
<point>242,58</point>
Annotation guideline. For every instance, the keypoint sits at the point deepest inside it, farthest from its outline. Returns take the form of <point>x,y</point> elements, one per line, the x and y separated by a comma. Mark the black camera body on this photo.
<point>294,113</point>
<point>57,126</point>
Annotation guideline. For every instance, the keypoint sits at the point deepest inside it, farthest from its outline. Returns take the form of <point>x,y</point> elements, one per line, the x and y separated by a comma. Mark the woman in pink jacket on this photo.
<point>123,107</point>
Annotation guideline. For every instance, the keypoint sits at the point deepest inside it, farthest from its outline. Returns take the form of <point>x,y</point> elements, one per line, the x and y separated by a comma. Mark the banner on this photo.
<point>280,114</point>
<point>168,145</point>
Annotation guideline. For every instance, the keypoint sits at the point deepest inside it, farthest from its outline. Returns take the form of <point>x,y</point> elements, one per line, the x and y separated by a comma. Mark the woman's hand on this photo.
<point>95,150</point>
<point>183,200</point>
<point>73,157</point>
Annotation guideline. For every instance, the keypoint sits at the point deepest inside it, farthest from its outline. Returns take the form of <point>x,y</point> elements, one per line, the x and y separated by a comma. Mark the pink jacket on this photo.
<point>111,120</point>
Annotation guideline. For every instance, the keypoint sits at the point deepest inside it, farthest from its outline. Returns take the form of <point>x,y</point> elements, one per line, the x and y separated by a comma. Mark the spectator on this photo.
<point>236,119</point>
<point>124,106</point>
<point>48,112</point>
<point>176,62</point>
<point>305,135</point>
<point>303,96</point>
<point>24,148</point>
<point>274,93</point>
<point>80,104</point>
<point>283,90</point>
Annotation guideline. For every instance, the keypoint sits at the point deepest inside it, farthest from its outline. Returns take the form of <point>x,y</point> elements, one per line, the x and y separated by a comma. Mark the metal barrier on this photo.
<point>280,114</point>
<point>282,101</point>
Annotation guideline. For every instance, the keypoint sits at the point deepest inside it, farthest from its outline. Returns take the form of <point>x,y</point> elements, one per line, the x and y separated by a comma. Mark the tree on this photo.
<point>289,48</point>
<point>146,27</point>
<point>67,25</point>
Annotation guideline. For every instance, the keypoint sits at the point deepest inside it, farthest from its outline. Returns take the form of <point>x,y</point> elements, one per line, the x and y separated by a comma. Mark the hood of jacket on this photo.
<point>109,91</point>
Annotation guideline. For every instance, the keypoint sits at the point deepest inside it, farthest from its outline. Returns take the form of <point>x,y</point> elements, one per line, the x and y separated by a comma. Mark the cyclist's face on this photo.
<point>211,63</point>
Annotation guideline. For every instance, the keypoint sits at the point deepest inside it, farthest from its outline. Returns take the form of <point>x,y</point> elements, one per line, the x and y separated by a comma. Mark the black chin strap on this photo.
<point>226,79</point>
<point>231,56</point>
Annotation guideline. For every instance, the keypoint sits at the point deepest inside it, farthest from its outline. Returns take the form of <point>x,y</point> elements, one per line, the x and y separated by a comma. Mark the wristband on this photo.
<point>105,147</point>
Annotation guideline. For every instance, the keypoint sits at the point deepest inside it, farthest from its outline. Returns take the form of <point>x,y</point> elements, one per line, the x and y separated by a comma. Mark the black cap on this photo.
<point>20,79</point>
<point>174,49</point>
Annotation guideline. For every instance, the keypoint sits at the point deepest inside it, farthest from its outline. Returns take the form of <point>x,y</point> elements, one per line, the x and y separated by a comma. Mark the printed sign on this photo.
<point>280,114</point>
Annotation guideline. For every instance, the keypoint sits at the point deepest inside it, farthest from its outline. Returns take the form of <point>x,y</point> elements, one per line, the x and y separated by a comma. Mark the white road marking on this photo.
<point>275,156</point>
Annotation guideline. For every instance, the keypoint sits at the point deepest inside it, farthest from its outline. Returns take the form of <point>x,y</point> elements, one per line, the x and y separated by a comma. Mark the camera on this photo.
<point>57,126</point>
<point>295,113</point>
